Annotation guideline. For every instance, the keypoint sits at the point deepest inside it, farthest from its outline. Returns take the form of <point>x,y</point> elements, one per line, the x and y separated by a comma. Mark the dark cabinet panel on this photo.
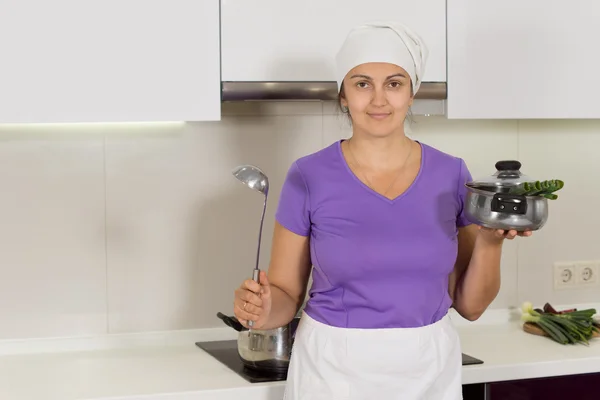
<point>572,387</point>
<point>576,387</point>
<point>474,391</point>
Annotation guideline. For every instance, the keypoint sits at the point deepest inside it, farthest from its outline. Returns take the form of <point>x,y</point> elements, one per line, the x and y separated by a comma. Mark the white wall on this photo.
<point>123,229</point>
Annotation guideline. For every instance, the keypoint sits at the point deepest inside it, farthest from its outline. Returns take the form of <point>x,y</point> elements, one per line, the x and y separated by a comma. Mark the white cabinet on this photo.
<point>515,59</point>
<point>109,61</point>
<point>276,40</point>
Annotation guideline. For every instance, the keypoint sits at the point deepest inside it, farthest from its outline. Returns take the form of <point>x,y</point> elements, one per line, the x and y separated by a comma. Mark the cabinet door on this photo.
<point>515,59</point>
<point>275,40</point>
<point>580,387</point>
<point>109,61</point>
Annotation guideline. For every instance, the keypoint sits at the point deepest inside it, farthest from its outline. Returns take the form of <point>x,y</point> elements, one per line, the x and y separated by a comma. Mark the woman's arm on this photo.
<point>289,270</point>
<point>475,281</point>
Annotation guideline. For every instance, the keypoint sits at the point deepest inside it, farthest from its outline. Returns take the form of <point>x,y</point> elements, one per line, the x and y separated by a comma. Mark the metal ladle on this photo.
<point>255,179</point>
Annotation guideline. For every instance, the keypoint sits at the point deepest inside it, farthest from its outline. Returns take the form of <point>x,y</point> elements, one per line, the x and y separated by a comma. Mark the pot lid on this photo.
<point>507,175</point>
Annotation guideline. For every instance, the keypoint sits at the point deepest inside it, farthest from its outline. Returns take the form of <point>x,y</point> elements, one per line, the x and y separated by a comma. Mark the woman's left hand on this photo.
<point>501,234</point>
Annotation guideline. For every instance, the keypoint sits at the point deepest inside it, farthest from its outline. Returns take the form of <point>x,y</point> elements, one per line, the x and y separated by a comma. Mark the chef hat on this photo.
<point>388,42</point>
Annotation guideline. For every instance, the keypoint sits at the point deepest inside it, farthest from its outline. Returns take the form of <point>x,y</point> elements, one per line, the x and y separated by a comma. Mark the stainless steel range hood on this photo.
<point>299,91</point>
<point>430,99</point>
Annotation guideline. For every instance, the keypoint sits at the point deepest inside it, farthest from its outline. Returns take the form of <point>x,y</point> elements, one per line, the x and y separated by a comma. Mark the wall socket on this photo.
<point>576,274</point>
<point>587,273</point>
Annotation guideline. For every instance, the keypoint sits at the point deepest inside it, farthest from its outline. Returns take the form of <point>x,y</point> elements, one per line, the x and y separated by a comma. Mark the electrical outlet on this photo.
<point>587,273</point>
<point>565,276</point>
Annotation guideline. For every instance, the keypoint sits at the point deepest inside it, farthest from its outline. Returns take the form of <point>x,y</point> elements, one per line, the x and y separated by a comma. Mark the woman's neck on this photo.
<point>380,153</point>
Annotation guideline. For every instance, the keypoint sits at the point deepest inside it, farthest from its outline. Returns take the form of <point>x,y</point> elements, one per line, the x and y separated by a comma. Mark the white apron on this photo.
<point>330,363</point>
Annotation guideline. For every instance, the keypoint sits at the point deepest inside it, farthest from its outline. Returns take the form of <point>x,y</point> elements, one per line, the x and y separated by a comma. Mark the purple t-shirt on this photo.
<point>377,263</point>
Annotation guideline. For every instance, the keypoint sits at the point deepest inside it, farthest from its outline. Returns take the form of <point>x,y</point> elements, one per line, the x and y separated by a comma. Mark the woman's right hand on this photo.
<point>252,302</point>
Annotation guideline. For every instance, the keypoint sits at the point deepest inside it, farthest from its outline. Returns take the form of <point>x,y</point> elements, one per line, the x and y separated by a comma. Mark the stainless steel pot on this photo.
<point>489,202</point>
<point>265,350</point>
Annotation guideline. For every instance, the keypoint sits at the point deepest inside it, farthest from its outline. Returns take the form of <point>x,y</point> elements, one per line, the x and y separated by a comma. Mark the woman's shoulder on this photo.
<point>439,156</point>
<point>305,177</point>
<point>314,164</point>
<point>437,159</point>
<point>444,168</point>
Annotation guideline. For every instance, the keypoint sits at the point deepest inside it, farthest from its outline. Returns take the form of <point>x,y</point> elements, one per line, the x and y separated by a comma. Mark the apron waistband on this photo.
<point>381,333</point>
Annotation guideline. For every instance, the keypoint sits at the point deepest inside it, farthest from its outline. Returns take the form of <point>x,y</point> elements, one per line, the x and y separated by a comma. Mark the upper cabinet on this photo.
<point>515,59</point>
<point>275,40</point>
<point>109,61</point>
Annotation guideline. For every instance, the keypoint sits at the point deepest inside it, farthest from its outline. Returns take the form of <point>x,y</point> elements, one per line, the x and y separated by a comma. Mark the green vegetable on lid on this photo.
<point>539,188</point>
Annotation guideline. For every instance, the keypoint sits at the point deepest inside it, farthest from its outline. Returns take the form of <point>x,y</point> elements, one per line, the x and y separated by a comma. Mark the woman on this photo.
<point>380,219</point>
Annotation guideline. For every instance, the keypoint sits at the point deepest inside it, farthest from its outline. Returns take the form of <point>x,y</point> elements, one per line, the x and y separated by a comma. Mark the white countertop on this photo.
<point>168,365</point>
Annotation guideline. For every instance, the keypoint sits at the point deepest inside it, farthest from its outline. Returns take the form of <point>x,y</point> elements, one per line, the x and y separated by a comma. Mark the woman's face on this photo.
<point>378,96</point>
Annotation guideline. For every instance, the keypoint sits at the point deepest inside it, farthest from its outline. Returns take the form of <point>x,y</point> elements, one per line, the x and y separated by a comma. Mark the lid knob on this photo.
<point>508,165</point>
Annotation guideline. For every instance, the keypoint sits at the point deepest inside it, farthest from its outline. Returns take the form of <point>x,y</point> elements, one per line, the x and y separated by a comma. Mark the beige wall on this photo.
<point>126,229</point>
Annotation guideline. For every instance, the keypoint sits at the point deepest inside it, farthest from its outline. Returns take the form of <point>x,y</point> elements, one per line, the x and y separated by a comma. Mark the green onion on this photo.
<point>568,327</point>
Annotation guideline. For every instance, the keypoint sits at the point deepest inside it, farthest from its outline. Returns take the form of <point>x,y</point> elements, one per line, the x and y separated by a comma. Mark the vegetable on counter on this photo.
<point>539,188</point>
<point>565,327</point>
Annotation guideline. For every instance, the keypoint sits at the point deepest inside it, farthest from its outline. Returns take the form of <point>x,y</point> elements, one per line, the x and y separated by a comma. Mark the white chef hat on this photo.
<point>389,42</point>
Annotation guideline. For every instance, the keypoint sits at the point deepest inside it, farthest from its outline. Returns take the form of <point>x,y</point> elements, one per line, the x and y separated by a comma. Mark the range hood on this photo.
<point>430,99</point>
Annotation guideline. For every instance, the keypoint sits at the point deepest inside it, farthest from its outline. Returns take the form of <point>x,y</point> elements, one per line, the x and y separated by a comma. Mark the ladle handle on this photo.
<point>255,278</point>
<point>256,271</point>
<point>255,275</point>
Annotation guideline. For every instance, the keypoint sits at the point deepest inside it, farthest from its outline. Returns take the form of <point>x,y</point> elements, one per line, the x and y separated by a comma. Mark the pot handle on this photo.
<point>508,165</point>
<point>232,322</point>
<point>509,203</point>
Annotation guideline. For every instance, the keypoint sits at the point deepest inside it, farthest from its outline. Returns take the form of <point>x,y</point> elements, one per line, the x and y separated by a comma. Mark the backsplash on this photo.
<point>143,228</point>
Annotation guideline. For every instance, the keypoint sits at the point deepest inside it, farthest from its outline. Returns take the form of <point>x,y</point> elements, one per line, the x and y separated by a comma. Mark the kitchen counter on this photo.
<point>168,365</point>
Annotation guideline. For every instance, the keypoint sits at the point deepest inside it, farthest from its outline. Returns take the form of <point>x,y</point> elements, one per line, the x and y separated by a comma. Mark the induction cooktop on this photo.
<point>226,352</point>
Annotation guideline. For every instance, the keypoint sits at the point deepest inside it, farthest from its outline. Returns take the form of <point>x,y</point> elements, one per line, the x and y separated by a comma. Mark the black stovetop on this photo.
<point>226,352</point>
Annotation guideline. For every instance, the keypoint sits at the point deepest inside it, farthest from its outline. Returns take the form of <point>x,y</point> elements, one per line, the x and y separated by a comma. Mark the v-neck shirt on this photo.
<point>377,262</point>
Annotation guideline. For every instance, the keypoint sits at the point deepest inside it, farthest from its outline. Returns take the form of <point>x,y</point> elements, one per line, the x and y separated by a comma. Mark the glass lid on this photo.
<point>507,175</point>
